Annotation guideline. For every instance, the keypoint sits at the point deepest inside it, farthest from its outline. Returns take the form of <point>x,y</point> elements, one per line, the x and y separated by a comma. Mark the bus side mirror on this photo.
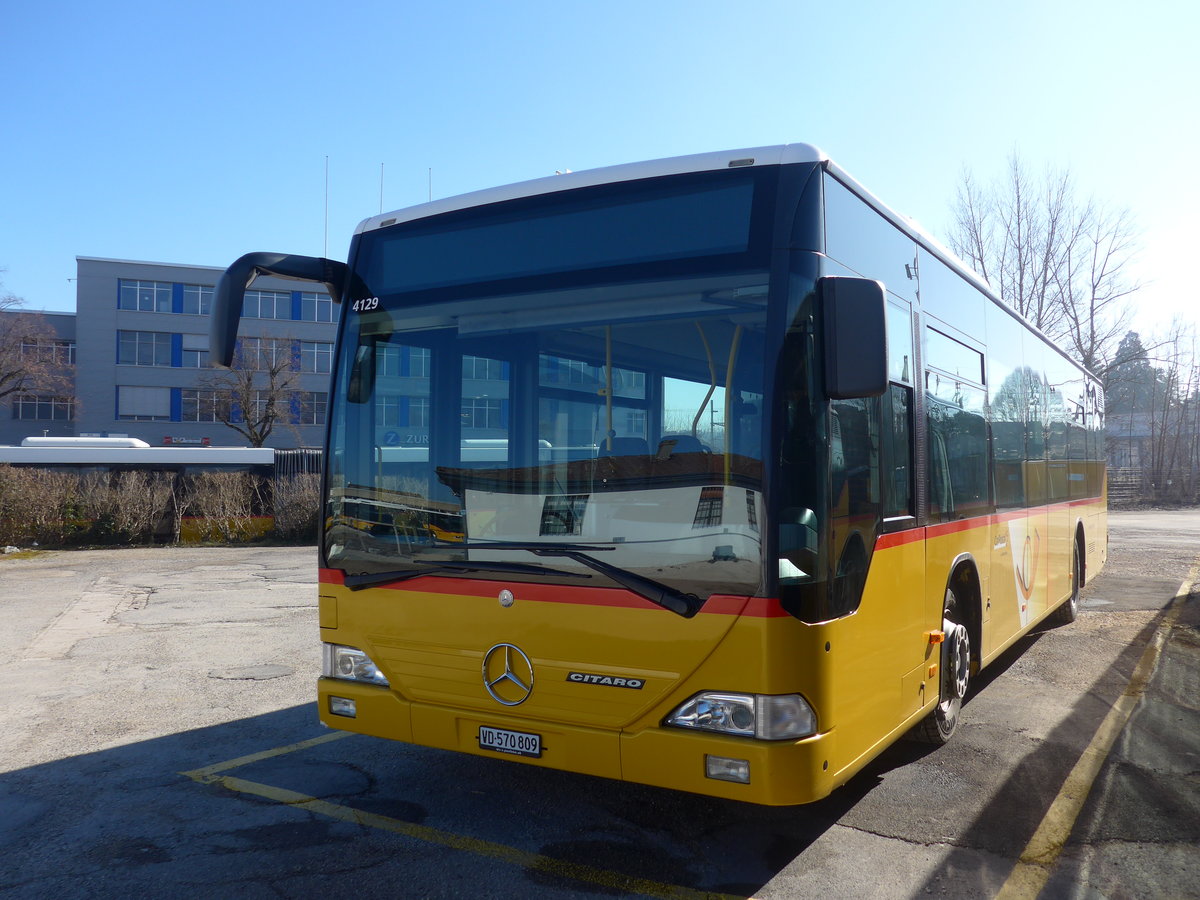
<point>854,313</point>
<point>362,373</point>
<point>231,291</point>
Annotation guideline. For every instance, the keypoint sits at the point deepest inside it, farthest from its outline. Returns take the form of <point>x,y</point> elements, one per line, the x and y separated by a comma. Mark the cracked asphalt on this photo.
<point>158,737</point>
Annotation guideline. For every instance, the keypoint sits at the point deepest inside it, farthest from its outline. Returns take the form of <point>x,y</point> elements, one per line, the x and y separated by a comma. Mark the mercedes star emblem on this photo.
<point>507,674</point>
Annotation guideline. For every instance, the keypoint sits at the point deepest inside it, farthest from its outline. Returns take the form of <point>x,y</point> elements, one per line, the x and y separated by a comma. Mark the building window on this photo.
<point>315,307</point>
<point>201,406</point>
<point>43,407</point>
<point>312,407</point>
<point>267,305</point>
<point>480,368</point>
<point>52,352</point>
<point>269,401</point>
<point>397,361</point>
<point>197,299</point>
<point>418,411</point>
<point>264,354</point>
<point>388,410</point>
<point>477,413</point>
<point>418,362</point>
<point>195,359</point>
<point>143,404</point>
<point>147,296</point>
<point>195,351</point>
<point>388,361</point>
<point>143,348</point>
<point>710,508</point>
<point>316,356</point>
<point>395,411</point>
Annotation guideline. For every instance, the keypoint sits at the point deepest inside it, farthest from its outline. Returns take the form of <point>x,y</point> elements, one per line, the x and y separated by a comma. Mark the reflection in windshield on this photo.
<point>641,433</point>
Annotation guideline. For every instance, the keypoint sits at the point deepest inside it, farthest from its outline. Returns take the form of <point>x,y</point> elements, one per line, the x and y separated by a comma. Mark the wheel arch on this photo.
<point>1080,538</point>
<point>967,586</point>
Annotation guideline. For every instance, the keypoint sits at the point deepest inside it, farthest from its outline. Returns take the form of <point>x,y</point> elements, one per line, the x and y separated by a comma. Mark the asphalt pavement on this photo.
<point>158,737</point>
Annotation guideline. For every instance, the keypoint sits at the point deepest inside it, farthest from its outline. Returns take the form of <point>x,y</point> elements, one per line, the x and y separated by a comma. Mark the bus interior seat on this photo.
<point>670,444</point>
<point>624,446</point>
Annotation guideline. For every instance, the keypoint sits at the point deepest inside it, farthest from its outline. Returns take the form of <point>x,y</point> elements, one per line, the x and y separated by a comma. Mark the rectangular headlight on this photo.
<point>350,664</point>
<point>343,706</point>
<point>768,718</point>
<point>723,768</point>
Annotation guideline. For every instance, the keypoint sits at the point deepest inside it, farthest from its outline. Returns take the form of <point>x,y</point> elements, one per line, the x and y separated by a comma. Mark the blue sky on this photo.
<point>194,132</point>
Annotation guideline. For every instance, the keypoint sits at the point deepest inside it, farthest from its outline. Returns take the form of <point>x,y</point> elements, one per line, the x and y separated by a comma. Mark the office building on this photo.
<point>138,344</point>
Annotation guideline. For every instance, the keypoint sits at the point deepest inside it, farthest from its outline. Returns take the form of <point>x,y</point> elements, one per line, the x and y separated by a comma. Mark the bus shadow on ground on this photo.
<point>130,820</point>
<point>985,853</point>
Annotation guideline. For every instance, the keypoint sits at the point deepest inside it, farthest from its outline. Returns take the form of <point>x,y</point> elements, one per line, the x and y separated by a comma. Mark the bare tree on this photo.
<point>1172,413</point>
<point>30,361</point>
<point>1093,285</point>
<point>258,392</point>
<point>1062,264</point>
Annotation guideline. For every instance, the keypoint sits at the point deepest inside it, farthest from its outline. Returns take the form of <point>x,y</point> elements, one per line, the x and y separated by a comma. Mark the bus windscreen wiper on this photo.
<point>686,605</point>
<point>369,579</point>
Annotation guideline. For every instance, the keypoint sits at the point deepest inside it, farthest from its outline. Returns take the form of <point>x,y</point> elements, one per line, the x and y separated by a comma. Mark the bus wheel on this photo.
<point>1069,610</point>
<point>938,727</point>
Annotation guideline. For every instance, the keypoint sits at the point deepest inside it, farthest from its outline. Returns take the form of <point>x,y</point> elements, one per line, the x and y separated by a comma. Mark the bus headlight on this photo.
<point>349,664</point>
<point>768,718</point>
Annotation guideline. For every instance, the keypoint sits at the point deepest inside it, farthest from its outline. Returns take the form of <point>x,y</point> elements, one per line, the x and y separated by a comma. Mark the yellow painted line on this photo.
<point>205,774</point>
<point>534,862</point>
<point>1037,860</point>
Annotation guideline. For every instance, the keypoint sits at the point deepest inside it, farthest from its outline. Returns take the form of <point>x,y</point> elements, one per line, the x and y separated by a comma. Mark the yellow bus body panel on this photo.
<point>869,676</point>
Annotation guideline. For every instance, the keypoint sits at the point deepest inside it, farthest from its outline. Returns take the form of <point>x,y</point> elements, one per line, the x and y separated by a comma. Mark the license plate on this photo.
<point>518,743</point>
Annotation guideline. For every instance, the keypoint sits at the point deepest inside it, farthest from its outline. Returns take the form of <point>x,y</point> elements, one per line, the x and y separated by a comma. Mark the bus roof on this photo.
<point>779,154</point>
<point>677,165</point>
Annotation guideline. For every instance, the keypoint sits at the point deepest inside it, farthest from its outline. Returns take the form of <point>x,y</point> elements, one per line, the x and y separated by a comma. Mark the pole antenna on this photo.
<point>381,188</point>
<point>326,251</point>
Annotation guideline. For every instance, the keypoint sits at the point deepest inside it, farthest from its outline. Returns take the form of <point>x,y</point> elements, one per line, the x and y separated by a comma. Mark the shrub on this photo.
<point>129,507</point>
<point>297,506</point>
<point>39,506</point>
<point>226,501</point>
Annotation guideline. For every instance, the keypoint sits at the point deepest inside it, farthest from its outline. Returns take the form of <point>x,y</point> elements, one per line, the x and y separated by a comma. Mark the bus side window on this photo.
<point>857,500</point>
<point>941,502</point>
<point>897,459</point>
<point>855,426</point>
<point>958,450</point>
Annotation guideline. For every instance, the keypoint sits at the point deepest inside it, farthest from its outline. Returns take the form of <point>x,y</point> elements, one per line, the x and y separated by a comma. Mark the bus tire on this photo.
<point>1068,610</point>
<point>939,726</point>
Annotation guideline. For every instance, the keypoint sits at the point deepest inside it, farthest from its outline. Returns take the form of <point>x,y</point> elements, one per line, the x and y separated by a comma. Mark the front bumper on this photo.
<point>782,773</point>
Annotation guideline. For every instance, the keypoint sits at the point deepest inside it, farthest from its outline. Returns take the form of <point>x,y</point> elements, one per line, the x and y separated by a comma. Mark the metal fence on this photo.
<point>1138,484</point>
<point>296,462</point>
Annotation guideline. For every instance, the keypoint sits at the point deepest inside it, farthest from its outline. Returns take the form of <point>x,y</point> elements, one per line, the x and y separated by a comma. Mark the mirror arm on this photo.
<point>230,292</point>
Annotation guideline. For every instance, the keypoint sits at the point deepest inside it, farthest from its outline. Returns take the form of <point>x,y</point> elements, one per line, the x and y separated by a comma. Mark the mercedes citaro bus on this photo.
<point>710,473</point>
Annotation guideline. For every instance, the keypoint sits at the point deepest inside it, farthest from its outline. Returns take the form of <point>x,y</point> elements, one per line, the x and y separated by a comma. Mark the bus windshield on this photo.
<point>624,420</point>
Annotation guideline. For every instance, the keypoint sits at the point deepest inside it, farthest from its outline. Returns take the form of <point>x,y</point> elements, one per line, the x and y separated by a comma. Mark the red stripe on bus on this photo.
<point>717,604</point>
<point>961,525</point>
<point>911,535</point>
<point>899,538</point>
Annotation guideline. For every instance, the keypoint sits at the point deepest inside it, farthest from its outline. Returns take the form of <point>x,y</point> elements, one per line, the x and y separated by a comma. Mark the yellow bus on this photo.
<point>711,473</point>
